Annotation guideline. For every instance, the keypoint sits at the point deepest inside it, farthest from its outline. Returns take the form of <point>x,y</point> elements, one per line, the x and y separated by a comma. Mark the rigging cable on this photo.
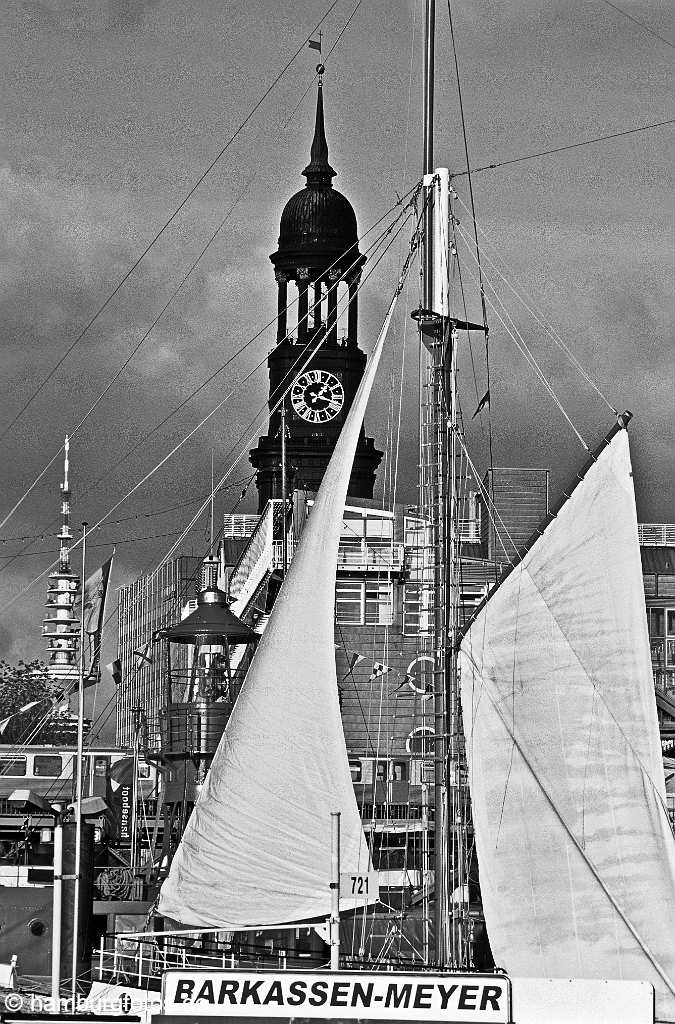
<point>194,430</point>
<point>563,149</point>
<point>106,475</point>
<point>475,233</point>
<point>170,220</point>
<point>524,349</point>
<point>209,379</point>
<point>324,61</point>
<point>640,23</point>
<point>118,373</point>
<point>539,317</point>
<point>292,373</point>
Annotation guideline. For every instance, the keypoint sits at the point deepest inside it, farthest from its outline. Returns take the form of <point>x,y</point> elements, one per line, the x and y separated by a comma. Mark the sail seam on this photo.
<point>598,692</point>
<point>594,871</point>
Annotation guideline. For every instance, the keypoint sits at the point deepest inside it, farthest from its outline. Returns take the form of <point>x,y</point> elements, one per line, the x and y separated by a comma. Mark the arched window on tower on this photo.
<point>343,312</point>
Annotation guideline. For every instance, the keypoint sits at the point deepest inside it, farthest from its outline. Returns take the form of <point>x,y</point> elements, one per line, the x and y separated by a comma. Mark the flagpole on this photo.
<point>78,779</point>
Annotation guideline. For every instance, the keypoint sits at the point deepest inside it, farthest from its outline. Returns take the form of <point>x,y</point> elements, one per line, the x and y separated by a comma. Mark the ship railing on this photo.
<point>125,960</point>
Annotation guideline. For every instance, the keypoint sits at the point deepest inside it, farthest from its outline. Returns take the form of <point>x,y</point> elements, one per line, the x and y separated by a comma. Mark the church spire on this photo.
<point>318,171</point>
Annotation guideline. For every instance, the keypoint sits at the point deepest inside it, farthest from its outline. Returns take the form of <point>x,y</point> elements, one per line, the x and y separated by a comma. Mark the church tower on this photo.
<point>319,255</point>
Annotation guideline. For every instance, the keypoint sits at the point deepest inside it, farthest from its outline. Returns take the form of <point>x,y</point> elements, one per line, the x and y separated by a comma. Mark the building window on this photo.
<point>379,596</point>
<point>355,769</point>
<point>369,602</point>
<point>417,609</point>
<point>349,602</point>
<point>399,771</point>
<point>421,741</point>
<point>47,765</point>
<point>381,771</point>
<point>15,767</point>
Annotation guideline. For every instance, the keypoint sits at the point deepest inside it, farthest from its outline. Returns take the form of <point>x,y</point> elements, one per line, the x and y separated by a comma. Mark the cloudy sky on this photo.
<point>114,108</point>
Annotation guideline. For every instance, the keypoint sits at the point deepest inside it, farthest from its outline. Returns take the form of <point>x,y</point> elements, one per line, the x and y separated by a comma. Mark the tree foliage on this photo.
<point>19,685</point>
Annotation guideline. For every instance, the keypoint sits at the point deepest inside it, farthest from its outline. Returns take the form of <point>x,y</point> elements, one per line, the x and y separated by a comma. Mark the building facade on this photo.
<point>149,603</point>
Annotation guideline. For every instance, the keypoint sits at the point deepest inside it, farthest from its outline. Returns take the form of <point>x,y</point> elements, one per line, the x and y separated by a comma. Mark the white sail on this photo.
<point>576,854</point>
<point>256,850</point>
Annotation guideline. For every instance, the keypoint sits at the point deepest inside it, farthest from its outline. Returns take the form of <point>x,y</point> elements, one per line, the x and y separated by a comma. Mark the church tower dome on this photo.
<point>318,255</point>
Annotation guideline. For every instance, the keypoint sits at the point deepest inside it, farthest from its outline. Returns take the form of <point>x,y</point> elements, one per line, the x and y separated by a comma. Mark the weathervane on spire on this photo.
<point>315,44</point>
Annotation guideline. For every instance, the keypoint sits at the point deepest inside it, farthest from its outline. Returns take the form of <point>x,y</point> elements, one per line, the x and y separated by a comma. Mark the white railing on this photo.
<point>657,534</point>
<point>278,552</point>
<point>239,525</point>
<point>130,961</point>
<point>371,556</point>
<point>256,560</point>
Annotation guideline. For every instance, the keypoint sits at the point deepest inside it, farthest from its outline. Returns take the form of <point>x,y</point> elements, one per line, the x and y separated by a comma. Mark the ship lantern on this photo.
<point>202,684</point>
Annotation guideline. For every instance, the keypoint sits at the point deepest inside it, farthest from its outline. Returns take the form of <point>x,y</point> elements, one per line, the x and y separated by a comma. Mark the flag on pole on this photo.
<point>354,659</point>
<point>408,680</point>
<point>115,670</point>
<point>485,400</point>
<point>378,670</point>
<point>26,707</point>
<point>315,44</point>
<point>92,610</point>
<point>143,655</point>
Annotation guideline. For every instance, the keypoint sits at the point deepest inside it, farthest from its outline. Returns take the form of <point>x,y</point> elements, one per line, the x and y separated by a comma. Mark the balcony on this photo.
<point>371,557</point>
<point>657,534</point>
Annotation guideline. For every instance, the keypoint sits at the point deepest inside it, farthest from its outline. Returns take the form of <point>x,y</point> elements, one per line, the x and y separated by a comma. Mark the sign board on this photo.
<point>324,995</point>
<point>125,813</point>
<point>353,886</point>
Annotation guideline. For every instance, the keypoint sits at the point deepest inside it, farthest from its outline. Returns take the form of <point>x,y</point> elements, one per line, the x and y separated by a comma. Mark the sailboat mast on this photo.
<point>435,337</point>
<point>428,147</point>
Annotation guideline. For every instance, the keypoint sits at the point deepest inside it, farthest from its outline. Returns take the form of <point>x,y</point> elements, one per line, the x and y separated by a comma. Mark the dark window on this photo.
<point>420,741</point>
<point>47,765</point>
<point>143,770</point>
<point>355,769</point>
<point>13,766</point>
<point>657,622</point>
<point>100,767</point>
<point>399,771</point>
<point>381,771</point>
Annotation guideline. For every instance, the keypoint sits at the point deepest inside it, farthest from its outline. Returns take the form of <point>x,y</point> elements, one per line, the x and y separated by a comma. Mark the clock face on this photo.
<point>317,396</point>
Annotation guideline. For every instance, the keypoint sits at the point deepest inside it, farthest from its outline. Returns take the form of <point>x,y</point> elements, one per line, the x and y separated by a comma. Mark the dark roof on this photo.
<point>658,559</point>
<point>211,619</point>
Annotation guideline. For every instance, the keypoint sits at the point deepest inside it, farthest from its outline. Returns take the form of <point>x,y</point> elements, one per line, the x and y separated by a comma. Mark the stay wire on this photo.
<point>641,24</point>
<point>252,428</point>
<point>167,222</point>
<point>524,349</point>
<point>211,377</point>
<point>563,149</point>
<point>539,317</point>
<point>475,231</point>
<point>116,376</point>
<point>176,447</point>
<point>324,60</point>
